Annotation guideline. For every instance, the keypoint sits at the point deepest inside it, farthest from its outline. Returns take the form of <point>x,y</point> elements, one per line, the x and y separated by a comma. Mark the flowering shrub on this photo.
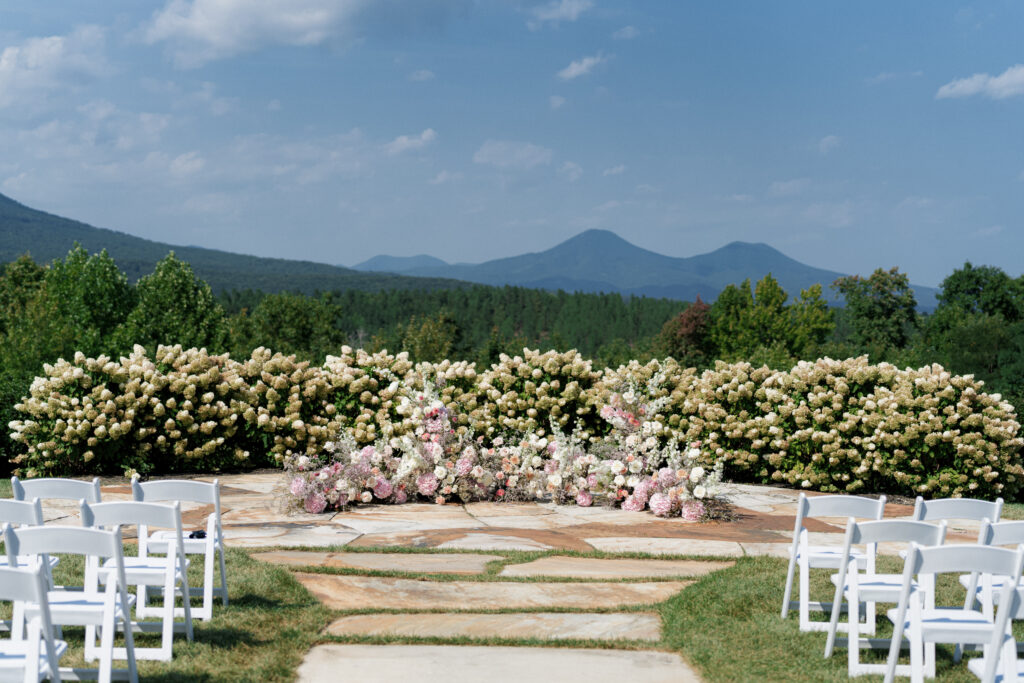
<point>543,424</point>
<point>537,392</point>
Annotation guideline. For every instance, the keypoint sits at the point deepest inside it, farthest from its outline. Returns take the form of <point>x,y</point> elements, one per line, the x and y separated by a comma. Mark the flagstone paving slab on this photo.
<point>366,592</point>
<point>590,568</point>
<point>488,538</point>
<point>667,546</point>
<point>448,563</point>
<point>544,626</point>
<point>261,535</point>
<point>472,664</point>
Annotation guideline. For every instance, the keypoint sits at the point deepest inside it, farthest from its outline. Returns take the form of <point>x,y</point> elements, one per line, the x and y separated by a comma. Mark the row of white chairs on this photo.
<point>990,574</point>
<point>160,568</point>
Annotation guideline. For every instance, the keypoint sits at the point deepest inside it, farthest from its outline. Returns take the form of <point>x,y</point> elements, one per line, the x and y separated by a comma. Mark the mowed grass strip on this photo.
<point>727,626</point>
<point>270,623</point>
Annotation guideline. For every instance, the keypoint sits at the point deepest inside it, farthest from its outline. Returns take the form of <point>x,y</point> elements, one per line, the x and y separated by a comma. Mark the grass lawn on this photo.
<point>269,624</point>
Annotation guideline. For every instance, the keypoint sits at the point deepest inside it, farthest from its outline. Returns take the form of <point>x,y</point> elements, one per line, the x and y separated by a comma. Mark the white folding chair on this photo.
<point>805,557</point>
<point>870,586</point>
<point>923,623</point>
<point>957,508</point>
<point>56,489</point>
<point>997,672</point>
<point>25,513</point>
<point>89,607</point>
<point>211,546</point>
<point>37,656</point>
<point>168,572</point>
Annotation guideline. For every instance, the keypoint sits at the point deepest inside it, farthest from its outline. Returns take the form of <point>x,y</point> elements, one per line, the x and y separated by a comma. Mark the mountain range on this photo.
<point>46,237</point>
<point>593,261</point>
<point>601,261</point>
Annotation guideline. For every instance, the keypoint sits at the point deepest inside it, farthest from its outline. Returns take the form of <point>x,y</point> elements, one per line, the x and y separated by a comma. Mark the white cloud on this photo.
<point>608,205</point>
<point>41,65</point>
<point>421,75</point>
<point>581,67</point>
<point>990,231</point>
<point>403,143</point>
<point>892,76</point>
<point>914,202</point>
<point>274,105</point>
<point>788,188</point>
<point>445,177</point>
<point>571,171</point>
<point>740,198</point>
<point>515,155</point>
<point>644,188</point>
<point>557,11</point>
<point>207,97</point>
<point>828,143</point>
<point>831,214</point>
<point>614,170</point>
<point>626,33</point>
<point>199,31</point>
<point>187,164</point>
<point>556,101</point>
<point>1007,84</point>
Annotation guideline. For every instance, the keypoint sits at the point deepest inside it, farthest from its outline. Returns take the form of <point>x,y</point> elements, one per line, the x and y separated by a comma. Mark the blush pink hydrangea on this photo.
<point>315,503</point>
<point>693,510</point>
<point>660,504</point>
<point>426,484</point>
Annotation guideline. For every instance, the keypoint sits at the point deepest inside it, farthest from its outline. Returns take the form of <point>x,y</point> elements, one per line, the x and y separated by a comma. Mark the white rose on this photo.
<point>618,467</point>
<point>635,467</point>
<point>340,484</point>
<point>632,482</point>
<point>440,472</point>
<point>537,461</point>
<point>693,452</point>
<point>366,496</point>
<point>302,461</point>
<point>699,492</point>
<point>696,473</point>
<point>555,480</point>
<point>620,480</point>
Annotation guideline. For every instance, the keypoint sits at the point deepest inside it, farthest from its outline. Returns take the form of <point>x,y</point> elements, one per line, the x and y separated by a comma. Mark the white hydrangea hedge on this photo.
<point>826,425</point>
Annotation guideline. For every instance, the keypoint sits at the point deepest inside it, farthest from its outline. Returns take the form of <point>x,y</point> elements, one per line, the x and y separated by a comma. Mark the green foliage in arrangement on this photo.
<point>830,425</point>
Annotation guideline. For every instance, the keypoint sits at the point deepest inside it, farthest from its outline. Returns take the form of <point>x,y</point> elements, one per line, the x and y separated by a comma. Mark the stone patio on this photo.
<point>513,603</point>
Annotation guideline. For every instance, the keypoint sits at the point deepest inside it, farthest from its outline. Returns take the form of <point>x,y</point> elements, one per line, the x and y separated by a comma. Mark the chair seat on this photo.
<point>69,608</point>
<point>159,540</point>
<point>875,587</point>
<point>830,557</point>
<point>13,655</point>
<point>997,585</point>
<point>29,560</point>
<point>947,624</point>
<point>977,667</point>
<point>140,571</point>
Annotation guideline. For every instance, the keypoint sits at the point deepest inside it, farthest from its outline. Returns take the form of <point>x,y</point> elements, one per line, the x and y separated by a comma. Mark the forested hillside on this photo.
<point>47,237</point>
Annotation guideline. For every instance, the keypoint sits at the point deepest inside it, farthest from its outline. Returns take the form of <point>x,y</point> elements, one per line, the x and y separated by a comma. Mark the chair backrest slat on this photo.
<point>20,584</point>
<point>131,513</point>
<point>898,530</point>
<point>842,506</point>
<point>21,512</point>
<point>55,540</point>
<point>1002,533</point>
<point>983,559</point>
<point>64,489</point>
<point>177,489</point>
<point>957,508</point>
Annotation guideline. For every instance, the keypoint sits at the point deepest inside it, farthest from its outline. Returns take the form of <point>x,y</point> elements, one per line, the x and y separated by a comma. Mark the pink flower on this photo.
<point>592,481</point>
<point>666,475</point>
<point>661,505</point>
<point>367,452</point>
<point>584,499</point>
<point>400,497</point>
<point>426,484</point>
<point>382,489</point>
<point>634,504</point>
<point>315,503</point>
<point>298,486</point>
<point>693,510</point>
<point>463,466</point>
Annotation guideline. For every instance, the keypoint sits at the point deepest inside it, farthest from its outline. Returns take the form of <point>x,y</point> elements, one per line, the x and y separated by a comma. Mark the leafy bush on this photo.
<point>828,425</point>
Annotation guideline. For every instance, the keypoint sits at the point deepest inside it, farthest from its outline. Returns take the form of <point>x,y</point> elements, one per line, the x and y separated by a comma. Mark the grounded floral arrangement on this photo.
<point>547,423</point>
<point>437,463</point>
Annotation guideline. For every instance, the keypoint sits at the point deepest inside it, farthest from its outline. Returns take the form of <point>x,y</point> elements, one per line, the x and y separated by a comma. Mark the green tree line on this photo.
<point>84,302</point>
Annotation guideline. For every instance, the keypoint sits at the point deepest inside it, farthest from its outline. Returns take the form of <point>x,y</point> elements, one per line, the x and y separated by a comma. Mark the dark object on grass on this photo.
<point>199,533</point>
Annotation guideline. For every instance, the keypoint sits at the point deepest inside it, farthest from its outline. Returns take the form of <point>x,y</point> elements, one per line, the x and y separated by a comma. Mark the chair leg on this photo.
<point>853,636</point>
<point>223,576</point>
<point>805,598</point>
<point>208,584</point>
<point>787,595</point>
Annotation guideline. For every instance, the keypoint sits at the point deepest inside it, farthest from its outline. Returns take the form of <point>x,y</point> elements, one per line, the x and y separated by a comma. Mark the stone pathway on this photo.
<point>528,600</point>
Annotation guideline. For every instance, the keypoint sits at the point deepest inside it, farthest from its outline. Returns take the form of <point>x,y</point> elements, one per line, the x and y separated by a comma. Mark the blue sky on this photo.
<point>850,136</point>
